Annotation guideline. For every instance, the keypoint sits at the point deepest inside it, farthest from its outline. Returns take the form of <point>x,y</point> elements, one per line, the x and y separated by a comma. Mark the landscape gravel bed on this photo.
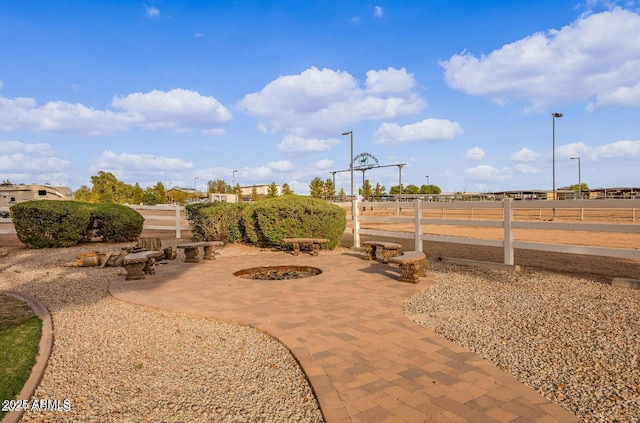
<point>120,362</point>
<point>574,340</point>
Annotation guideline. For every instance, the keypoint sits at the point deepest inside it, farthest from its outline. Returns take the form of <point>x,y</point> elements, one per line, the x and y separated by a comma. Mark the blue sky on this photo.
<point>461,91</point>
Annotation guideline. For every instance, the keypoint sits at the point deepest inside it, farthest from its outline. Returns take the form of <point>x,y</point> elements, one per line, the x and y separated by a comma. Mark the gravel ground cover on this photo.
<point>572,339</point>
<point>120,362</point>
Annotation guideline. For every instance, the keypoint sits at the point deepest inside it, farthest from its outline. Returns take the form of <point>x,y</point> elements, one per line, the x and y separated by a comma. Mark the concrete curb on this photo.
<point>44,351</point>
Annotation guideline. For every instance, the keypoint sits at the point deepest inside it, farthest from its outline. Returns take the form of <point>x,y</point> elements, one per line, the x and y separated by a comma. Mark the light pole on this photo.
<point>333,173</point>
<point>579,176</point>
<point>356,238</point>
<point>195,189</point>
<point>233,181</point>
<point>428,180</point>
<point>553,135</point>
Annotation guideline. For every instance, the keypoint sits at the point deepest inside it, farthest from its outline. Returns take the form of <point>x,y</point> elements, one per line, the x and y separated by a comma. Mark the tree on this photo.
<point>342,195</point>
<point>272,190</point>
<point>149,198</point>
<point>219,186</point>
<point>430,189</point>
<point>237,190</point>
<point>82,194</point>
<point>582,187</point>
<point>329,189</point>
<point>316,188</point>
<point>136,194</point>
<point>395,189</point>
<point>379,190</point>
<point>160,193</point>
<point>105,188</point>
<point>254,194</point>
<point>178,196</point>
<point>411,189</point>
<point>366,189</point>
<point>286,190</point>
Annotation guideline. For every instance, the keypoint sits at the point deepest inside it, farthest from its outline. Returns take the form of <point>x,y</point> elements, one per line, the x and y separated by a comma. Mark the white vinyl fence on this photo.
<point>506,222</point>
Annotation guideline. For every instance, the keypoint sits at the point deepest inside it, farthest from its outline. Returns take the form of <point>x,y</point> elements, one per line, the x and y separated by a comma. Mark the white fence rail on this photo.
<point>505,210</point>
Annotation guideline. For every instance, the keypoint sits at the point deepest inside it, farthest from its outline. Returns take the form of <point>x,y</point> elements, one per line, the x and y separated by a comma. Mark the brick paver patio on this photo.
<point>365,360</point>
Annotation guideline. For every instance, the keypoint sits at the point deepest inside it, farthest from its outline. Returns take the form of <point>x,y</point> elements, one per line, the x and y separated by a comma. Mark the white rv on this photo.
<point>11,194</point>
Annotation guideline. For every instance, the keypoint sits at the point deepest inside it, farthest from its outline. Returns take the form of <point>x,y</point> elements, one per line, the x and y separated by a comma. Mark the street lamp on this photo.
<point>579,175</point>
<point>553,134</point>
<point>356,240</point>
<point>428,180</point>
<point>234,177</point>
<point>195,189</point>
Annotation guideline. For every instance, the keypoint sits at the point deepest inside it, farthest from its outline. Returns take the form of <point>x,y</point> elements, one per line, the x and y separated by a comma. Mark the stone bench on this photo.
<point>413,265</point>
<point>141,263</point>
<point>192,249</point>
<point>314,242</point>
<point>389,249</point>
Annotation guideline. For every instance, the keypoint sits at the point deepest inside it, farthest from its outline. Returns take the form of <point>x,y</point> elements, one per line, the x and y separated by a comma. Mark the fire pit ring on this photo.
<point>278,273</point>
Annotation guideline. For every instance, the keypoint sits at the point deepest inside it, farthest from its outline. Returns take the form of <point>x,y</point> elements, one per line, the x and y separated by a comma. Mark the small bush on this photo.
<point>115,223</point>
<point>298,217</point>
<point>49,223</point>
<point>216,221</point>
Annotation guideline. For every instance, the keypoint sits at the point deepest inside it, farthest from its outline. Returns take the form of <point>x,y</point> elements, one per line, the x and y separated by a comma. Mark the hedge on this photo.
<point>51,223</point>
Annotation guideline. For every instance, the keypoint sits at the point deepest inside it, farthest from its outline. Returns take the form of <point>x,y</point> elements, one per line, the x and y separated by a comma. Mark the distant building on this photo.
<point>12,194</point>
<point>223,198</point>
<point>261,190</point>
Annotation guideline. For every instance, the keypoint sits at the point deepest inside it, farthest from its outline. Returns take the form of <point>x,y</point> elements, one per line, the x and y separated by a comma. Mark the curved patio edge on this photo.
<point>363,357</point>
<point>44,352</point>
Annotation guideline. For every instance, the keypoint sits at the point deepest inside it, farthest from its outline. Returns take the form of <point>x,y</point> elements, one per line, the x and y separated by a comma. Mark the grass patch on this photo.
<point>20,332</point>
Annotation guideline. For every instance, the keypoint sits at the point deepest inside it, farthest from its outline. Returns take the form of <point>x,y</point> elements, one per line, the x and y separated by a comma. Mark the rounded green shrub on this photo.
<point>216,221</point>
<point>49,223</point>
<point>114,222</point>
<point>298,217</point>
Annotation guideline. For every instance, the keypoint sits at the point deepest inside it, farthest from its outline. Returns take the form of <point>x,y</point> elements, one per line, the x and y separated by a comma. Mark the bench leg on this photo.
<point>316,249</point>
<point>408,273</point>
<point>296,248</point>
<point>191,255</point>
<point>148,268</point>
<point>387,254</point>
<point>209,253</point>
<point>369,252</point>
<point>135,270</point>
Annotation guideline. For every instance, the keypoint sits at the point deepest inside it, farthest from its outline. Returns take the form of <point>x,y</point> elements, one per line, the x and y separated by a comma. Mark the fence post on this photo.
<point>356,223</point>
<point>507,218</point>
<point>178,222</point>
<point>418,231</point>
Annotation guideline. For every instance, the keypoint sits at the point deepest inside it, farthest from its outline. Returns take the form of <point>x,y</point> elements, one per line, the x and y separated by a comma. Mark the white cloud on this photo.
<point>389,81</point>
<point>128,164</point>
<point>32,161</point>
<point>323,164</point>
<point>475,153</point>
<point>525,155</point>
<point>487,173</point>
<point>1,84</point>
<point>281,166</point>
<point>522,168</point>
<point>177,109</point>
<point>378,12</point>
<point>327,101</point>
<point>598,56</point>
<point>293,144</point>
<point>151,12</point>
<point>198,35</point>
<point>619,150</point>
<point>426,130</point>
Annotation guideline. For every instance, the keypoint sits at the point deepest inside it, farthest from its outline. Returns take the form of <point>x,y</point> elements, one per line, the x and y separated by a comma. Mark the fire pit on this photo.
<point>277,273</point>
